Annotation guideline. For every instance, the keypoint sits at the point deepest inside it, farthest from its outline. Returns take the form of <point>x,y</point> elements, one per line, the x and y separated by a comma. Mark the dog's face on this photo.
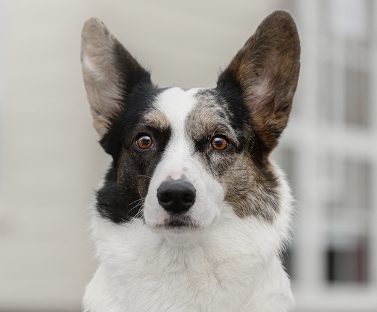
<point>183,157</point>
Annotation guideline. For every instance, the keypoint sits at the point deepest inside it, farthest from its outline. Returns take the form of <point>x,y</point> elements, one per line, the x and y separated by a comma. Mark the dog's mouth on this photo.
<point>180,222</point>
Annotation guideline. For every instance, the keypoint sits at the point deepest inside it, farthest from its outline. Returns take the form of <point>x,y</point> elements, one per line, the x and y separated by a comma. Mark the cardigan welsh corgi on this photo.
<point>191,215</point>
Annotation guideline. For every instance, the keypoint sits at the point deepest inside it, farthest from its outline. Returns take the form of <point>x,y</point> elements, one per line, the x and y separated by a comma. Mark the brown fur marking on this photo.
<point>250,191</point>
<point>157,119</point>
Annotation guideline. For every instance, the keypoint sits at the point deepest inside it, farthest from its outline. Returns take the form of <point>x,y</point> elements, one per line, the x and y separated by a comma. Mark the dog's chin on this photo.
<point>177,229</point>
<point>178,224</point>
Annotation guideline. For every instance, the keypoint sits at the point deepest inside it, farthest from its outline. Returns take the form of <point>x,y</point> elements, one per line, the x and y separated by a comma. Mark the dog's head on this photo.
<point>183,158</point>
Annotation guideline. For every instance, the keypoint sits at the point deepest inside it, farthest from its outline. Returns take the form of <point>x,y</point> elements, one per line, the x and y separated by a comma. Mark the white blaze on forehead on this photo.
<point>176,104</point>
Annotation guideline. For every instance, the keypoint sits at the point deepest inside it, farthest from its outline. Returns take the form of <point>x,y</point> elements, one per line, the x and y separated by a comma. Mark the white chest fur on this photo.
<point>140,271</point>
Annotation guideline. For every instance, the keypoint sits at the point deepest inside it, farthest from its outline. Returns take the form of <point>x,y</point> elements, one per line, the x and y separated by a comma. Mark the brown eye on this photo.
<point>219,143</point>
<point>144,142</point>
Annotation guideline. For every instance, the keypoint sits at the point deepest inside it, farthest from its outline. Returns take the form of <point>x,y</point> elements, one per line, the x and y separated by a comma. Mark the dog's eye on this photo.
<point>144,142</point>
<point>219,143</point>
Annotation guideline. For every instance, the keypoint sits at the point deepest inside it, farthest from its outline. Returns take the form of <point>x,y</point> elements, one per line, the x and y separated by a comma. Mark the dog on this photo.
<point>191,215</point>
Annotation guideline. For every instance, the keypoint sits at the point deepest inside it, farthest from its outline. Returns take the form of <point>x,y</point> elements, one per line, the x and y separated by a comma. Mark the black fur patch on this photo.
<point>126,183</point>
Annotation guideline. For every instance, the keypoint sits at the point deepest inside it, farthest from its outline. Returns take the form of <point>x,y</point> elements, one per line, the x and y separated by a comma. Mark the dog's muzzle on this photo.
<point>176,196</point>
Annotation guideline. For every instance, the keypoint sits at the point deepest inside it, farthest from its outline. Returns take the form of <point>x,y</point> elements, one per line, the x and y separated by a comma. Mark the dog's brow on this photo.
<point>157,119</point>
<point>205,122</point>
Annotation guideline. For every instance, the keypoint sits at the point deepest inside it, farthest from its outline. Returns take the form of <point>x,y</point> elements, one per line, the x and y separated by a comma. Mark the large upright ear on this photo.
<point>110,73</point>
<point>266,72</point>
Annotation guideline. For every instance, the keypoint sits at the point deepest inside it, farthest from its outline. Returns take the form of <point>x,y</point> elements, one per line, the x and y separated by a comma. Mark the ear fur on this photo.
<point>110,73</point>
<point>266,72</point>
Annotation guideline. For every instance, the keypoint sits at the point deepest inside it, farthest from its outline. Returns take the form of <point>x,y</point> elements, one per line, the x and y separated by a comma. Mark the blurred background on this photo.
<point>50,160</point>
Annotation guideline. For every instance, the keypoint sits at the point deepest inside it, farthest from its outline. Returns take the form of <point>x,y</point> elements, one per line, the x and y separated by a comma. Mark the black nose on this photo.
<point>176,196</point>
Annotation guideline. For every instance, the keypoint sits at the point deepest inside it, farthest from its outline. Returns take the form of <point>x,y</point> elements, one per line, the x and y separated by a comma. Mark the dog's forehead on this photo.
<point>176,108</point>
<point>175,104</point>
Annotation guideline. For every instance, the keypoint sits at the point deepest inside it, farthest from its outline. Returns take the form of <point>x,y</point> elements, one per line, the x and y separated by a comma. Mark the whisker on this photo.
<point>139,205</point>
<point>140,199</point>
<point>142,175</point>
<point>139,213</point>
<point>136,206</point>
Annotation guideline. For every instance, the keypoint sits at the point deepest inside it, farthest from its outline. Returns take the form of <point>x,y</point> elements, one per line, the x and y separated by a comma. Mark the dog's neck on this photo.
<point>226,265</point>
<point>135,243</point>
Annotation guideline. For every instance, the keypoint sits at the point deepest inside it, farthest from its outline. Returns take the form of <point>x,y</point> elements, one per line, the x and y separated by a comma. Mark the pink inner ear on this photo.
<point>259,95</point>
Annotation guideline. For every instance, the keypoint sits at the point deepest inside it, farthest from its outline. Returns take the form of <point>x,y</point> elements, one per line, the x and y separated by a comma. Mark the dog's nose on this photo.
<point>176,196</point>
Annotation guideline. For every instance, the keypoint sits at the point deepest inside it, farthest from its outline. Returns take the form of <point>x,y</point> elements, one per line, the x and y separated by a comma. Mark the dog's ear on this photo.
<point>265,71</point>
<point>110,73</point>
